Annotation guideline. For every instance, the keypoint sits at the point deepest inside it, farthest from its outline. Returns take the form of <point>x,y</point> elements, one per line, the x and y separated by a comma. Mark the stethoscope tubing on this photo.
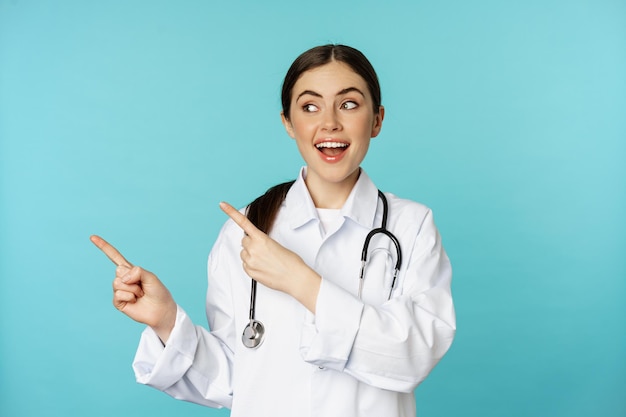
<point>253,334</point>
<point>366,245</point>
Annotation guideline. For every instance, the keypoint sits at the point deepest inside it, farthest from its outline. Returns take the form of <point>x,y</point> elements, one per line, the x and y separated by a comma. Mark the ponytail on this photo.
<point>262,211</point>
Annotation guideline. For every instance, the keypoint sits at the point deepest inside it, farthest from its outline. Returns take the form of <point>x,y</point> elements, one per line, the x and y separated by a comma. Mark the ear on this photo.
<point>288,125</point>
<point>378,121</point>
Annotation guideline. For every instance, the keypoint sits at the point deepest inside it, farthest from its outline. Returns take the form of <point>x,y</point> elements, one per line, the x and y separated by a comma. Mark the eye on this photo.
<point>309,108</point>
<point>349,105</point>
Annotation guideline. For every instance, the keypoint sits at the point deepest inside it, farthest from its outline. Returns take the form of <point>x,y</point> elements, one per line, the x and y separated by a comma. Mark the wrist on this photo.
<point>163,328</point>
<point>306,288</point>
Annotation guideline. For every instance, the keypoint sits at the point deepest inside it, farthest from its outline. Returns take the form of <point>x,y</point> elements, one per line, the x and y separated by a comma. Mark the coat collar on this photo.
<point>360,206</point>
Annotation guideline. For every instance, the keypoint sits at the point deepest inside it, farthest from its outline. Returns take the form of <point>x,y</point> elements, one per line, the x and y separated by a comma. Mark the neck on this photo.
<point>331,195</point>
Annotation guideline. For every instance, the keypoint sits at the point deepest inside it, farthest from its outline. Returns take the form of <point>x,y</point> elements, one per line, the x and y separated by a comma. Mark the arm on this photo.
<point>196,364</point>
<point>394,345</point>
<point>174,356</point>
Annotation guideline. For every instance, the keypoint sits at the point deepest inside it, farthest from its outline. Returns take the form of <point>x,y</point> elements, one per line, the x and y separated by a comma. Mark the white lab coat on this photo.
<point>353,357</point>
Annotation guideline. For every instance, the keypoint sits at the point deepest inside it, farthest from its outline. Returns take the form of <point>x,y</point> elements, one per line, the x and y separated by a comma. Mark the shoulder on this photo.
<point>407,209</point>
<point>413,224</point>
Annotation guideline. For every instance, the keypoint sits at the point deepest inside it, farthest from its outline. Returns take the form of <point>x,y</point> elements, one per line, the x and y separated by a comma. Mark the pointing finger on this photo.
<point>241,220</point>
<point>112,253</point>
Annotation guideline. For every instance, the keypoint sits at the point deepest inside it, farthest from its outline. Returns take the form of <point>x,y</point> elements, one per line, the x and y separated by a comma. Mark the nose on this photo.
<point>331,120</point>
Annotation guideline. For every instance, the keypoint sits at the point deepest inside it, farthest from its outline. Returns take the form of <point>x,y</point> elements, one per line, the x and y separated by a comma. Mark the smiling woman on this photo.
<point>333,342</point>
<point>332,121</point>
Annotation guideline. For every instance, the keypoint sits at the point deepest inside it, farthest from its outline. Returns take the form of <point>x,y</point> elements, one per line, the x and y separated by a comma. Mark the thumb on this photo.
<point>137,275</point>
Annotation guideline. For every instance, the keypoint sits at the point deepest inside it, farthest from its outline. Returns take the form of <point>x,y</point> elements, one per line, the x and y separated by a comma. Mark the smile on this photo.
<point>332,150</point>
<point>331,145</point>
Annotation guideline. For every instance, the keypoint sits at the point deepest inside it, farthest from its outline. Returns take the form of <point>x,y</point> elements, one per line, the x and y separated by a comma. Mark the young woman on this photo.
<point>298,326</point>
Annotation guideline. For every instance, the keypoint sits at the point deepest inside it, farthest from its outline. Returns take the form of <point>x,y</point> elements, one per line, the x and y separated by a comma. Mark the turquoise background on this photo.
<point>133,119</point>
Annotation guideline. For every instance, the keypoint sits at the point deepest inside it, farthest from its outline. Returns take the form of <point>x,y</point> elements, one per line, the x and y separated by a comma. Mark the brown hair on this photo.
<point>262,211</point>
<point>322,55</point>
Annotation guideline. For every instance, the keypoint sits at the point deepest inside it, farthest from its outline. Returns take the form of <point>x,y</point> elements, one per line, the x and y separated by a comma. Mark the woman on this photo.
<point>334,344</point>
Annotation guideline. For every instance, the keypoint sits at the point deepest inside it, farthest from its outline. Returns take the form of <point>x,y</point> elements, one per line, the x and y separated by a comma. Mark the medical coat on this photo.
<point>354,357</point>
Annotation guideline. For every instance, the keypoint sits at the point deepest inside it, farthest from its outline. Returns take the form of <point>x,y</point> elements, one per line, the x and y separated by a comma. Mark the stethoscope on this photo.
<point>254,333</point>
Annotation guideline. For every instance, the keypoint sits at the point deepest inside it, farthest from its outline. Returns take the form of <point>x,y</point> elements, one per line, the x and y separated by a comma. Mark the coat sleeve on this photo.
<point>394,345</point>
<point>196,364</point>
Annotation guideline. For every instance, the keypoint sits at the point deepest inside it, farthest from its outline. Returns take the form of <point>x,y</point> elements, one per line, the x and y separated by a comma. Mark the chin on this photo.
<point>340,176</point>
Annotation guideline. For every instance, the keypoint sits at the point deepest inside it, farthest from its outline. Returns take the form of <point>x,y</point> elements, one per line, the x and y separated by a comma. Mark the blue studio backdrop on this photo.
<point>132,120</point>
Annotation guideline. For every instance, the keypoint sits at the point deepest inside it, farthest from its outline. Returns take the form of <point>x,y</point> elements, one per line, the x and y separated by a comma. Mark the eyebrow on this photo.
<point>340,93</point>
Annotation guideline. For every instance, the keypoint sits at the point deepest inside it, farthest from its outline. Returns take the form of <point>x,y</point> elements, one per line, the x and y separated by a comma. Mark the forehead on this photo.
<point>329,79</point>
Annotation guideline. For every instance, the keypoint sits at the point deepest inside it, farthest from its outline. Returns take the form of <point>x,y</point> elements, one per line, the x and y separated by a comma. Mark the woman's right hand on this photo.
<point>139,294</point>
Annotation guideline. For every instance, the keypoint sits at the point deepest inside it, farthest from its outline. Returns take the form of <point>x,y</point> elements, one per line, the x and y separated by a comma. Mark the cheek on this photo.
<point>364,126</point>
<point>302,127</point>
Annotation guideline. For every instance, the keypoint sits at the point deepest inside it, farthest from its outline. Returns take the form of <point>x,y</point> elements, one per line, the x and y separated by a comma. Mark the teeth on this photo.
<point>331,145</point>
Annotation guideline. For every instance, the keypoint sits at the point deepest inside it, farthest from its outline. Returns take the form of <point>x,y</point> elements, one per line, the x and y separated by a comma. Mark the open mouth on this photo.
<point>332,148</point>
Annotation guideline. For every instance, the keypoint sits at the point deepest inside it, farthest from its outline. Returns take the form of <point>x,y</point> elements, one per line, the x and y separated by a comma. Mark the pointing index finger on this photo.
<point>241,220</point>
<point>112,253</point>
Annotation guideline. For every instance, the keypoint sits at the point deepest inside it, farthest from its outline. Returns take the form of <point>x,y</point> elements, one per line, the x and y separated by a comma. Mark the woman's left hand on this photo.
<point>273,265</point>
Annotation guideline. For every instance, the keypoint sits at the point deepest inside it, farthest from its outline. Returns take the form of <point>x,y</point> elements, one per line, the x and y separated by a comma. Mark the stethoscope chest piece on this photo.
<point>253,334</point>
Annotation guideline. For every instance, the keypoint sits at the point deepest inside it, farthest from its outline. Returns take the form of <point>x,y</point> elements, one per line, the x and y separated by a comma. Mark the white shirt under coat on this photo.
<point>353,357</point>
